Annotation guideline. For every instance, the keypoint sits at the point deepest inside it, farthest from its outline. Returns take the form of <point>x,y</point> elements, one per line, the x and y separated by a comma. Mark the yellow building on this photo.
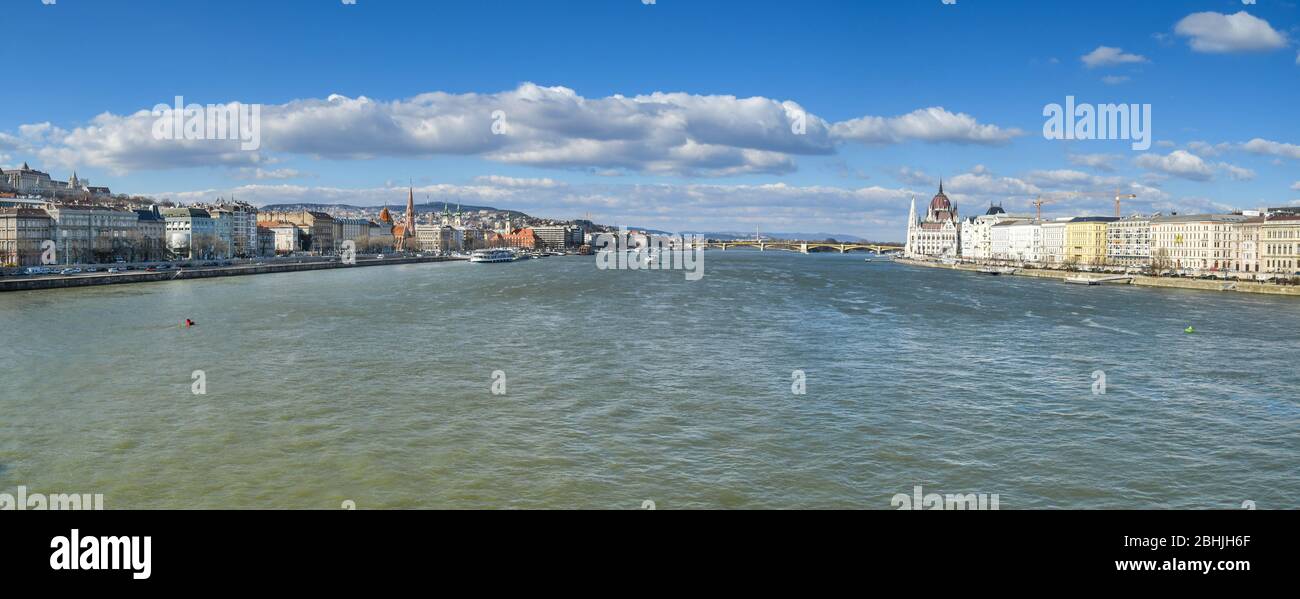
<point>1279,245</point>
<point>1085,240</point>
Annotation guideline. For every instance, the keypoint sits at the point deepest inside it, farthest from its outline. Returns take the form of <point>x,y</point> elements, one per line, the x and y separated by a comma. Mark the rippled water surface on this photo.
<point>373,385</point>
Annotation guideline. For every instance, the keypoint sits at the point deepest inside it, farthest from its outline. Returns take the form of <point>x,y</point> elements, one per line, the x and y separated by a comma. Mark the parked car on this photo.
<point>70,271</point>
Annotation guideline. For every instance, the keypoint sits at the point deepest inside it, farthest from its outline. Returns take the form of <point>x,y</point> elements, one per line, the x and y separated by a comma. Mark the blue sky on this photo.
<point>575,81</point>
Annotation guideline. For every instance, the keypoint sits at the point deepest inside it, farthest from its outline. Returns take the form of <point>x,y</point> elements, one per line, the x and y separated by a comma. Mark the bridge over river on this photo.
<point>802,247</point>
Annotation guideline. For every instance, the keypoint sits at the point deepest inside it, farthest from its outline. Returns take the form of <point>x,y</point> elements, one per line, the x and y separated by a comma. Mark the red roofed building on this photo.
<point>516,238</point>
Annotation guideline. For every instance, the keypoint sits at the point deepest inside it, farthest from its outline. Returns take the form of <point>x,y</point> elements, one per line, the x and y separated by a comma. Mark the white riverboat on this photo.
<point>492,256</point>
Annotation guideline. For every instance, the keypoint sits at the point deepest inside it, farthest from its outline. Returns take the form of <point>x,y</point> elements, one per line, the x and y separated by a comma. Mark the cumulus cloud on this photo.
<point>262,174</point>
<point>1272,148</point>
<point>1179,163</point>
<point>1236,173</point>
<point>1207,150</point>
<point>552,127</point>
<point>1106,56</point>
<point>1101,162</point>
<point>913,176</point>
<point>1068,178</point>
<point>1295,186</point>
<point>933,124</point>
<point>503,181</point>
<point>981,183</point>
<point>1217,33</point>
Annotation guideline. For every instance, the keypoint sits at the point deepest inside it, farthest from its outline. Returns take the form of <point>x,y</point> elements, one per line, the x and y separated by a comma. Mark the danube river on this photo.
<point>374,385</point>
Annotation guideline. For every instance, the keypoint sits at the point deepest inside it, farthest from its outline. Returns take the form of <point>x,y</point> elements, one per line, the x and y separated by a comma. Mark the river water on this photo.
<point>375,385</point>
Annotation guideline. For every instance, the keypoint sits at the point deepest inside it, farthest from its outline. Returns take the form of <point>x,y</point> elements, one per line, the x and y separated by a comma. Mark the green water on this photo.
<point>375,385</point>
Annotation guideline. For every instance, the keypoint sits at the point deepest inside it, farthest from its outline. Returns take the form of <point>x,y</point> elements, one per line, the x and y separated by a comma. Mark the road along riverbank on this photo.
<point>1140,280</point>
<point>64,282</point>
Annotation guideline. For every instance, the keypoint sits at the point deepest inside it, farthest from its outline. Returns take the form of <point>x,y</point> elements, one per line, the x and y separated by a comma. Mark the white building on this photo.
<point>1196,242</point>
<point>1053,244</point>
<point>191,232</point>
<point>1128,241</point>
<point>1019,241</point>
<point>438,238</point>
<point>977,234</point>
<point>241,220</point>
<point>938,234</point>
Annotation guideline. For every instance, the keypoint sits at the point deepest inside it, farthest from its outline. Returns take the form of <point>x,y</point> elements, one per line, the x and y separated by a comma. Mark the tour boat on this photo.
<point>492,256</point>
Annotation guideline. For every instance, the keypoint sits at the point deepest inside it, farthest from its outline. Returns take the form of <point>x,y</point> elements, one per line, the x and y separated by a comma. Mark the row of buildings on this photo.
<point>86,233</point>
<point>1248,244</point>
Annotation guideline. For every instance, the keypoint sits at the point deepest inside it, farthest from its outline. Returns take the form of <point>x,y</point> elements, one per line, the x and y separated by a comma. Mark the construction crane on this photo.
<point>1119,197</point>
<point>1118,211</point>
<point>1038,205</point>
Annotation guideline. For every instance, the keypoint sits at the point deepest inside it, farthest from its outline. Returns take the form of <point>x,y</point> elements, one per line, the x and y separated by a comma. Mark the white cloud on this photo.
<point>1237,173</point>
<point>1206,150</point>
<point>503,181</point>
<point>1295,186</point>
<point>261,174</point>
<point>1106,56</point>
<point>1272,148</point>
<point>1178,163</point>
<point>553,127</point>
<point>1101,162</point>
<point>981,184</point>
<point>933,124</point>
<point>913,176</point>
<point>1114,79</point>
<point>1218,33</point>
<point>1060,178</point>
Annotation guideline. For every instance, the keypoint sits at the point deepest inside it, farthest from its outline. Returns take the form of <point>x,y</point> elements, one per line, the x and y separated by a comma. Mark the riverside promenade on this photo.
<point>136,276</point>
<point>1140,280</point>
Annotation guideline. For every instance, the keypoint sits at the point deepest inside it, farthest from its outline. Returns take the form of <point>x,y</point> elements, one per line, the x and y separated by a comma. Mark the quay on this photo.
<point>1139,280</point>
<point>87,280</point>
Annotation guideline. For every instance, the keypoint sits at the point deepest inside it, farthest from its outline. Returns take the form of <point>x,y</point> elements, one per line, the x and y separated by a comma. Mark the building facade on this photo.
<point>150,236</point>
<point>1279,242</point>
<point>558,237</point>
<point>437,238</point>
<point>938,234</point>
<point>1053,251</point>
<point>241,220</point>
<point>23,232</point>
<point>1196,242</point>
<point>92,234</point>
<point>1128,242</point>
<point>191,233</point>
<point>1085,240</point>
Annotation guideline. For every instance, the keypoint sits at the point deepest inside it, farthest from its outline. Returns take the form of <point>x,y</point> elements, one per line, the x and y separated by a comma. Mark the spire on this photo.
<point>940,184</point>
<point>410,207</point>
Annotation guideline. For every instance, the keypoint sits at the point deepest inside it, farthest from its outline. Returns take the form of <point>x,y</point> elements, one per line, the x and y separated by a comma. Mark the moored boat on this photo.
<point>490,256</point>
